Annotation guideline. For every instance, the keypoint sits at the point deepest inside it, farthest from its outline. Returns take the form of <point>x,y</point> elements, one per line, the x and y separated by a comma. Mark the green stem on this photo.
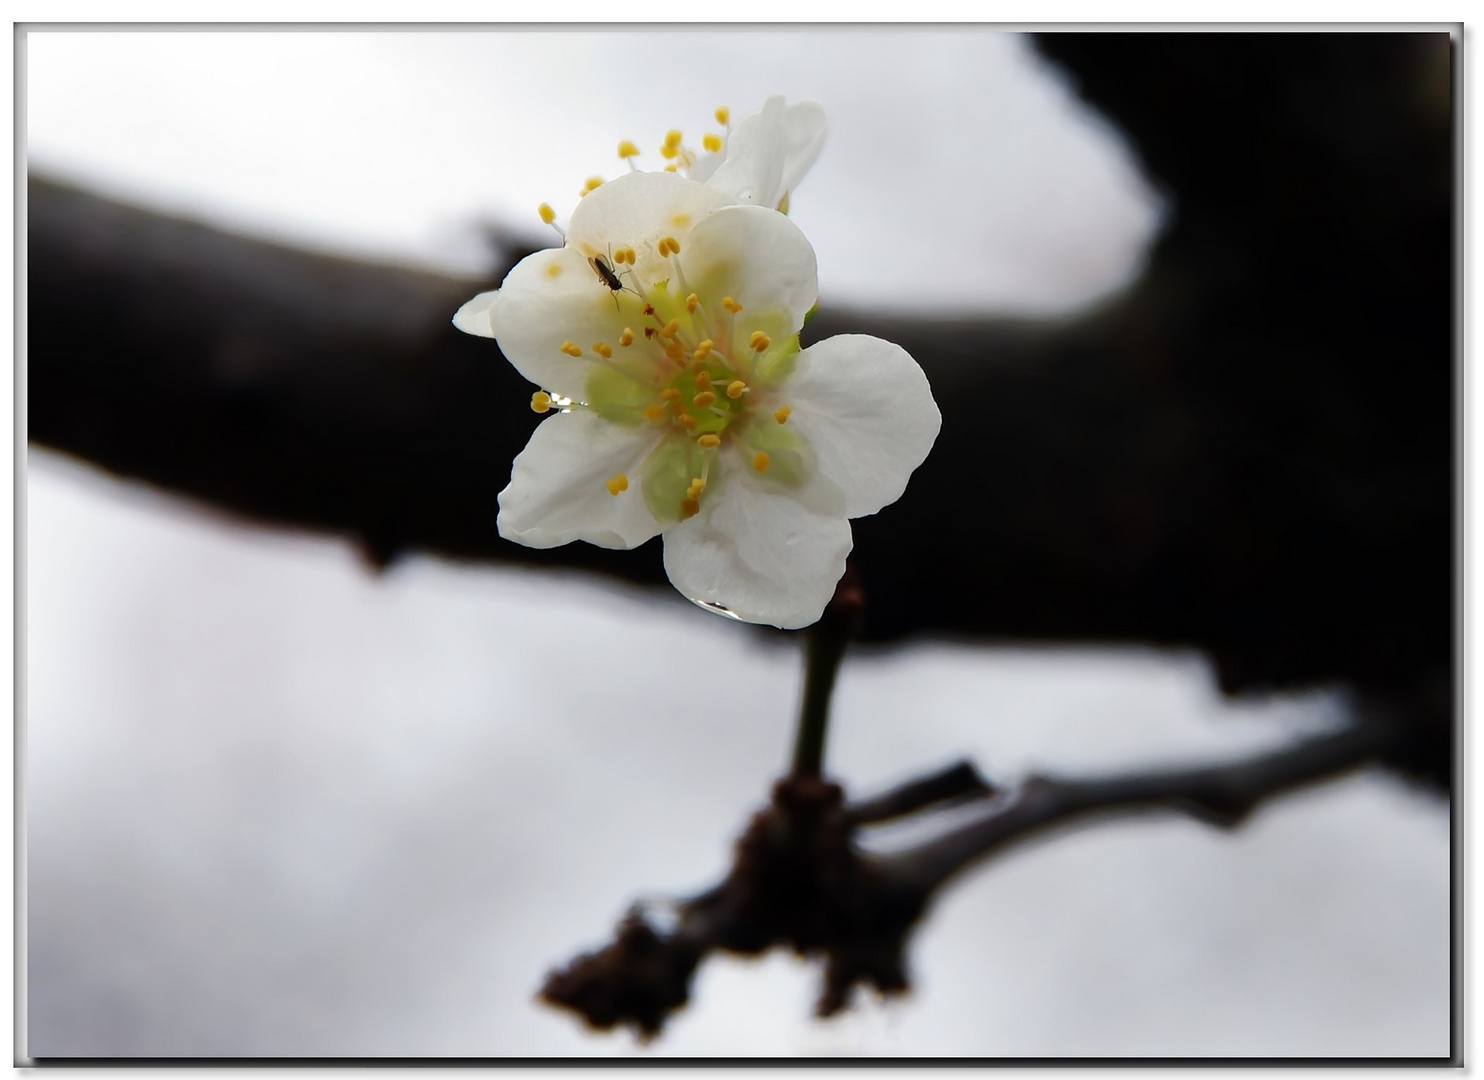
<point>824,647</point>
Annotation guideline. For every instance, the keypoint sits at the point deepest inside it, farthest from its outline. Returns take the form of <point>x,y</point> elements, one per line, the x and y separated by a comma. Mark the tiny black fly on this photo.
<point>605,273</point>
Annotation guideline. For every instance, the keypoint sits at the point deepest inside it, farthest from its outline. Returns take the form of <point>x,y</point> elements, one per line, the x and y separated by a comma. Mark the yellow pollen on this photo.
<point>540,401</point>
<point>759,341</point>
<point>710,442</point>
<point>670,167</point>
<point>723,114</point>
<point>593,183</point>
<point>703,378</point>
<point>712,143</point>
<point>680,221</point>
<point>553,269</point>
<point>692,302</point>
<point>548,215</point>
<point>761,461</point>
<point>689,508</point>
<point>570,349</point>
<point>782,414</point>
<point>624,255</point>
<point>671,328</point>
<point>735,388</point>
<point>697,485</point>
<point>703,350</point>
<point>603,350</point>
<point>686,420</point>
<point>731,305</point>
<point>704,399</point>
<point>668,245</point>
<point>669,394</point>
<point>617,483</point>
<point>653,412</point>
<point>627,149</point>
<point>672,138</point>
<point>626,338</point>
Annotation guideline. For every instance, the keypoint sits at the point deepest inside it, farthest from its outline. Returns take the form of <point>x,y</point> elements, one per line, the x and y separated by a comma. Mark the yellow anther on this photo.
<point>626,338</point>
<point>617,483</point>
<point>703,378</point>
<point>675,352</point>
<point>735,388</point>
<point>540,401</point>
<point>686,420</point>
<point>689,508</point>
<point>759,341</point>
<point>627,149</point>
<point>671,328</point>
<point>603,350</point>
<point>653,412</point>
<point>761,461</point>
<point>680,221</point>
<point>709,441</point>
<point>703,350</point>
<point>723,114</point>
<point>570,349</point>
<point>692,302</point>
<point>670,167</point>
<point>624,255</point>
<point>672,139</point>
<point>669,393</point>
<point>704,400</point>
<point>697,485</point>
<point>782,413</point>
<point>731,305</point>
<point>593,183</point>
<point>712,143</point>
<point>668,245</point>
<point>548,215</point>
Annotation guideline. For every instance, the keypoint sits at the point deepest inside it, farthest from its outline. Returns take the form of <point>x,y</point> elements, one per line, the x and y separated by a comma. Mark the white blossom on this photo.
<point>682,402</point>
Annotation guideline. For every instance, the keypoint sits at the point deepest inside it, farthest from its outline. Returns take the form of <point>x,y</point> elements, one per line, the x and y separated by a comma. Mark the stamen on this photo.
<point>782,413</point>
<point>723,115</point>
<point>648,332</point>
<point>668,245</point>
<point>704,399</point>
<point>759,341</point>
<point>669,394</point>
<point>709,441</point>
<point>692,302</point>
<point>653,412</point>
<point>603,350</point>
<point>540,401</point>
<point>649,309</point>
<point>689,508</point>
<point>703,377</point>
<point>627,149</point>
<point>593,183</point>
<point>626,338</point>
<point>731,305</point>
<point>712,143</point>
<point>671,145</point>
<point>703,350</point>
<point>680,221</point>
<point>735,389</point>
<point>697,485</point>
<point>671,328</point>
<point>670,167</point>
<point>570,349</point>
<point>675,352</point>
<point>686,420</point>
<point>548,215</point>
<point>619,482</point>
<point>761,461</point>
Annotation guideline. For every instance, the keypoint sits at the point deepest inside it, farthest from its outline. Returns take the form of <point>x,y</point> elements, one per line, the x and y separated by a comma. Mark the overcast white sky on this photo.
<point>278,805</point>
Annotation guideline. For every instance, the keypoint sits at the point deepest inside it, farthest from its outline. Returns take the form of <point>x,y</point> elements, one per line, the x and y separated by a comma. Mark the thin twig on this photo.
<point>956,782</point>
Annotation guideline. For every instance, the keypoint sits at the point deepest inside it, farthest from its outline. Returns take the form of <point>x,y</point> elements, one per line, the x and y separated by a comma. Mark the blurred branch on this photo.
<point>800,881</point>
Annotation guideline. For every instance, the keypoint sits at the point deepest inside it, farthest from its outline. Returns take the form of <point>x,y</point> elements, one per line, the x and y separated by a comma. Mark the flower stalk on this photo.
<point>824,648</point>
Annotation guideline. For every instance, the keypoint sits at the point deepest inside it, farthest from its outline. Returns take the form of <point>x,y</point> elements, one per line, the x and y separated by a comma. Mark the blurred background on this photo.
<point>300,792</point>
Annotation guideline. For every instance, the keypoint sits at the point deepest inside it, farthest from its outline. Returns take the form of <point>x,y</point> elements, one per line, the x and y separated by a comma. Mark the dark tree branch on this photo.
<point>800,881</point>
<point>953,784</point>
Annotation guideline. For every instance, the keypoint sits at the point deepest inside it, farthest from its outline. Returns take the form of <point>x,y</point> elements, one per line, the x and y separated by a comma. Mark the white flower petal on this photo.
<point>558,491</point>
<point>764,555</point>
<point>636,210</point>
<point>474,316</point>
<point>550,297</point>
<point>866,408</point>
<point>758,257</point>
<point>770,151</point>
